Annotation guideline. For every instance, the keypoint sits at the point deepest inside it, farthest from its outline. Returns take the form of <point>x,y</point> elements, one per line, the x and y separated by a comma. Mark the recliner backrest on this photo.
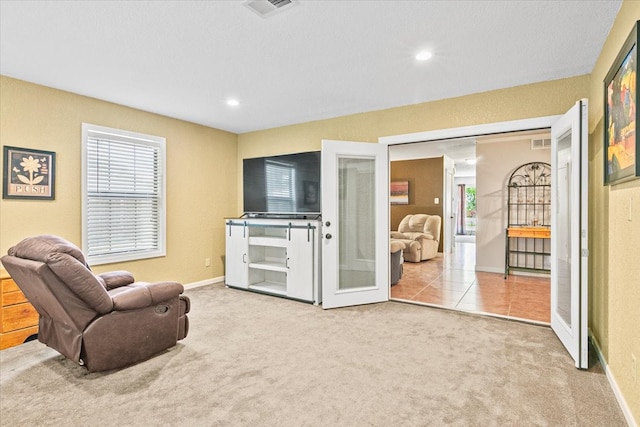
<point>421,223</point>
<point>51,298</point>
<point>67,263</point>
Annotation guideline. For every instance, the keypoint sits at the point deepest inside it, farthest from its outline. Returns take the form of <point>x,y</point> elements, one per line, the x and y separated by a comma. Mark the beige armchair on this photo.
<point>421,235</point>
<point>102,321</point>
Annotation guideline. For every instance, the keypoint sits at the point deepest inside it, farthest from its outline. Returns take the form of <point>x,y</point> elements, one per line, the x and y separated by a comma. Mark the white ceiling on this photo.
<point>317,60</point>
<point>459,150</point>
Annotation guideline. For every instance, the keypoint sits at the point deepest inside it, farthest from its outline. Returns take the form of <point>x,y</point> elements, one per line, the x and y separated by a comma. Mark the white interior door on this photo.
<point>355,216</point>
<point>448,206</point>
<point>569,244</point>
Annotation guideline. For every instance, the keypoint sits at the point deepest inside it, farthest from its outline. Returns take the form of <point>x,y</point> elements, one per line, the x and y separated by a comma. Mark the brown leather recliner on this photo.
<point>105,321</point>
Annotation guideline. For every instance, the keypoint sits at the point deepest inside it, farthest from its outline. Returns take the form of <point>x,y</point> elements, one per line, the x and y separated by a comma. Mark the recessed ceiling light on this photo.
<point>424,55</point>
<point>233,102</point>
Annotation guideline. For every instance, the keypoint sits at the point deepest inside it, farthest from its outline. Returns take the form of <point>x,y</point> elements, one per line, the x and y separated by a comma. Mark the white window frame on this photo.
<point>90,130</point>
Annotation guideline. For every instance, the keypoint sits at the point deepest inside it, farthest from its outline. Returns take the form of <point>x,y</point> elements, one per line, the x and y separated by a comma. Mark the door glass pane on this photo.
<point>356,203</point>
<point>563,229</point>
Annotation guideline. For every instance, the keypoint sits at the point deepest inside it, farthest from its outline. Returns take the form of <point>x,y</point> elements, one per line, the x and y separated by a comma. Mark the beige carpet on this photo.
<point>257,360</point>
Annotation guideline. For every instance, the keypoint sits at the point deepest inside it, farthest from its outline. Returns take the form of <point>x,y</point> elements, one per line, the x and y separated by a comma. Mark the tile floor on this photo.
<point>452,282</point>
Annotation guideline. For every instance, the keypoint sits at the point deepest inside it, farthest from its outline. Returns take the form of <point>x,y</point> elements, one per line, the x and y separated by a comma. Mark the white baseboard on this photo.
<point>204,282</point>
<point>614,385</point>
<point>489,269</point>
<point>483,269</point>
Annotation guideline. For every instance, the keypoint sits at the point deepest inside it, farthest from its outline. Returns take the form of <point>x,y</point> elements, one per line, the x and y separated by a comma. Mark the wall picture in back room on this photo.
<point>399,193</point>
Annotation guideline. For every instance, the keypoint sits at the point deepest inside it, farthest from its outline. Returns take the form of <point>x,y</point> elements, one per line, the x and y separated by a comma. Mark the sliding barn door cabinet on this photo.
<point>274,256</point>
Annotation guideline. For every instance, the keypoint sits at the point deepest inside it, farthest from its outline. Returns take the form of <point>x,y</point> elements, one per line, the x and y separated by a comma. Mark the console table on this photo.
<point>274,256</point>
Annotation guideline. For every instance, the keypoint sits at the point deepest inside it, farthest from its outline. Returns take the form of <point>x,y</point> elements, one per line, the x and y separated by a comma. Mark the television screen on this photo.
<point>282,185</point>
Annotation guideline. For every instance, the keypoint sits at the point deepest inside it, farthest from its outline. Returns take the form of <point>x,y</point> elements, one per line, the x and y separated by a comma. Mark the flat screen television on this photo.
<point>285,185</point>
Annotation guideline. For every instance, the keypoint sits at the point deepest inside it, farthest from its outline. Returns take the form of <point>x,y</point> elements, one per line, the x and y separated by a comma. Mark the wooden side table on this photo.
<point>530,232</point>
<point>18,318</point>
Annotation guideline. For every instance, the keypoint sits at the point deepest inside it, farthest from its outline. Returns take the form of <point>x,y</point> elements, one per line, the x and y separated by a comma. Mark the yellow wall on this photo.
<point>522,102</point>
<point>615,241</point>
<point>201,181</point>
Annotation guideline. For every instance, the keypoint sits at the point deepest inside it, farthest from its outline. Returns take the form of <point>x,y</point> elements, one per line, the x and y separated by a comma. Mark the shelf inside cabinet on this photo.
<point>270,287</point>
<point>531,253</point>
<point>269,265</point>
<point>268,241</point>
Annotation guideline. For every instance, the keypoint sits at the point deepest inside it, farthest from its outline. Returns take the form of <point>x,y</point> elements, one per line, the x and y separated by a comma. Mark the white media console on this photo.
<point>275,256</point>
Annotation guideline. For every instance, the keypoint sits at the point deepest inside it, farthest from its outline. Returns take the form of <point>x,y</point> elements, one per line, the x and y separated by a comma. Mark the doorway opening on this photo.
<point>466,213</point>
<point>468,273</point>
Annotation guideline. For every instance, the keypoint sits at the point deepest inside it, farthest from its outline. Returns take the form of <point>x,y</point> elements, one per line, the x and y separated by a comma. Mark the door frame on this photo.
<point>544,122</point>
<point>535,123</point>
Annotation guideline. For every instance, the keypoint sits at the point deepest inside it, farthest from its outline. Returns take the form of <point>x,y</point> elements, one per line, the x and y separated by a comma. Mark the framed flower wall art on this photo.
<point>28,174</point>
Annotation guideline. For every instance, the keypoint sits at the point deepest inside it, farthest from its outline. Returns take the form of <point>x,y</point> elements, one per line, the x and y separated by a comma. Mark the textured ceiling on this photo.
<point>317,60</point>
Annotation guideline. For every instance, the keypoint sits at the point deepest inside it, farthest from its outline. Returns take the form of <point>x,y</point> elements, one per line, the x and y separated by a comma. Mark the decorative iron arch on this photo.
<point>534,173</point>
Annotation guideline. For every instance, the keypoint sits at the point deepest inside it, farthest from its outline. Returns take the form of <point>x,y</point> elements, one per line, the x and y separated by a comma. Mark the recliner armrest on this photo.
<point>419,236</point>
<point>162,291</point>
<point>131,298</point>
<point>115,279</point>
<point>398,235</point>
<point>142,294</point>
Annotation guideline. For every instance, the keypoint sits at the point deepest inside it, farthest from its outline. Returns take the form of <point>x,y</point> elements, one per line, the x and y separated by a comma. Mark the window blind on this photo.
<point>123,197</point>
<point>281,195</point>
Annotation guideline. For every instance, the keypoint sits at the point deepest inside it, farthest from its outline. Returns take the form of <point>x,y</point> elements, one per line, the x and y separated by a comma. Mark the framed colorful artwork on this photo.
<point>621,115</point>
<point>399,193</point>
<point>28,174</point>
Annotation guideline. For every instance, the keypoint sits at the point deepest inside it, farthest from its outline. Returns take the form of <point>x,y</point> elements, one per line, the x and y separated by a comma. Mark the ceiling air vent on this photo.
<point>266,8</point>
<point>540,144</point>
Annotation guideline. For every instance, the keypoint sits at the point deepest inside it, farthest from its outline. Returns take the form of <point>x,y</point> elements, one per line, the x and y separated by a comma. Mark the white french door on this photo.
<point>355,217</point>
<point>569,232</point>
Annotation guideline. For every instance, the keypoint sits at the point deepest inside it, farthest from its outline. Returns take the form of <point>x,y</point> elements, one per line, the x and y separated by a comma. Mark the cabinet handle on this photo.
<point>244,258</point>
<point>328,236</point>
<point>286,263</point>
